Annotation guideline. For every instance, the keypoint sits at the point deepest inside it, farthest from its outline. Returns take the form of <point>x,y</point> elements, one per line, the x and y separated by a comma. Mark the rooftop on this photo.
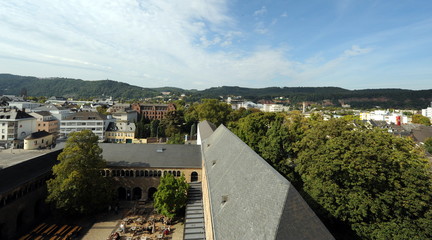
<point>152,155</point>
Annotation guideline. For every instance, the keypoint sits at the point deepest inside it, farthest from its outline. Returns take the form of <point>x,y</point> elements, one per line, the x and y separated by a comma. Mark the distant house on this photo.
<point>24,105</point>
<point>46,122</point>
<point>153,111</point>
<point>93,121</point>
<point>59,113</point>
<point>119,107</point>
<point>38,140</point>
<point>127,115</point>
<point>15,125</point>
<point>120,132</point>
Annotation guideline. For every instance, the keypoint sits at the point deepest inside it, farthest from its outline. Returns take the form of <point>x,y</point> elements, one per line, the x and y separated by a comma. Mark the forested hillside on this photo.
<point>367,98</point>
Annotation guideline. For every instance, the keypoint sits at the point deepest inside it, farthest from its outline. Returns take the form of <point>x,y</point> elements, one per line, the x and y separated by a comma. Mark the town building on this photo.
<point>119,107</point>
<point>59,113</point>
<point>427,112</point>
<point>274,108</point>
<point>24,105</point>
<point>120,132</point>
<point>153,111</point>
<point>385,115</point>
<point>93,121</point>
<point>15,125</point>
<point>127,115</point>
<point>39,140</point>
<point>45,121</point>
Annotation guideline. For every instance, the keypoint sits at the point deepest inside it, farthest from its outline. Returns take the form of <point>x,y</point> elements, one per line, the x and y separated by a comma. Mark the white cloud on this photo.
<point>146,43</point>
<point>260,12</point>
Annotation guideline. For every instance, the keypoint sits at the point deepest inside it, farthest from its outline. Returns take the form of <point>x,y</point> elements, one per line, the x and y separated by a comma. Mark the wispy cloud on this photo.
<point>260,12</point>
<point>189,44</point>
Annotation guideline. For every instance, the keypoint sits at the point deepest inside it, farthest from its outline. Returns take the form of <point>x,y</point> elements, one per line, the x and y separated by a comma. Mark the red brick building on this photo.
<point>153,111</point>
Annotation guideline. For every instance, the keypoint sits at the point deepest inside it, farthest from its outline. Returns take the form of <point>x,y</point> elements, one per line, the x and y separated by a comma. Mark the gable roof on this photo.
<point>36,135</point>
<point>152,155</point>
<point>249,199</point>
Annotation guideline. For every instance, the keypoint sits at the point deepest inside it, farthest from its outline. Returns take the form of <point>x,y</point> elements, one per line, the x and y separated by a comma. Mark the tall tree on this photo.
<point>171,195</point>
<point>377,184</point>
<point>420,119</point>
<point>77,186</point>
<point>213,110</point>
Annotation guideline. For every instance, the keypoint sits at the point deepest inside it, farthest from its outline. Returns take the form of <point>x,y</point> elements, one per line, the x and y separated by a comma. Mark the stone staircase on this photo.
<point>194,218</point>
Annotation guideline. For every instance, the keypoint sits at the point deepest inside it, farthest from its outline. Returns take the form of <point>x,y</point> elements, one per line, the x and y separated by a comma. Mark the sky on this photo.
<point>198,44</point>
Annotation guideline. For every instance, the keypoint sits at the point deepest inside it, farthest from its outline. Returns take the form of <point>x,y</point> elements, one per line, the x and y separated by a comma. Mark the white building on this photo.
<point>93,121</point>
<point>24,105</point>
<point>15,125</point>
<point>59,113</point>
<point>245,105</point>
<point>385,115</point>
<point>127,115</point>
<point>274,108</point>
<point>427,112</point>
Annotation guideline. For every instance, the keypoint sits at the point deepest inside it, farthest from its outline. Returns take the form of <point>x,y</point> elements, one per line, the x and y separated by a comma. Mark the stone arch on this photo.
<point>194,177</point>
<point>136,193</point>
<point>121,193</point>
<point>146,173</point>
<point>151,192</point>
<point>178,174</point>
<point>159,173</point>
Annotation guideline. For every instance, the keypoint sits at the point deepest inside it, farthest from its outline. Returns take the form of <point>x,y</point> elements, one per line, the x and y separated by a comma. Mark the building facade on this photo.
<point>93,121</point>
<point>45,121</point>
<point>120,132</point>
<point>153,111</point>
<point>15,125</point>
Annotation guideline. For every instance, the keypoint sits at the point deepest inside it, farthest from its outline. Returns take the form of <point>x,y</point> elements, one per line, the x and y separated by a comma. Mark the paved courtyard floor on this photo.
<point>132,220</point>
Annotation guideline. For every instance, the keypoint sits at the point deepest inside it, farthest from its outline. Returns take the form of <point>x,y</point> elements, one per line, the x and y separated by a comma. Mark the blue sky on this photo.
<point>197,44</point>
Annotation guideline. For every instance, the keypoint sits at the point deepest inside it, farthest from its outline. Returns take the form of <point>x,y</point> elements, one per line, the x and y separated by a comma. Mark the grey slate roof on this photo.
<point>249,198</point>
<point>152,155</point>
<point>86,116</point>
<point>14,114</point>
<point>37,135</point>
<point>206,129</point>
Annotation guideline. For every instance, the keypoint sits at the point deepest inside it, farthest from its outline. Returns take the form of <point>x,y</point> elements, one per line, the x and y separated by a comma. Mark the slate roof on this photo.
<point>13,114</point>
<point>152,155</point>
<point>86,116</point>
<point>205,129</point>
<point>121,126</point>
<point>249,199</point>
<point>43,113</point>
<point>37,135</point>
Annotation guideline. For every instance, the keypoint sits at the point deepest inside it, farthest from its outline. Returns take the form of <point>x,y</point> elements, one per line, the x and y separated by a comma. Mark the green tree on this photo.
<point>154,125</point>
<point>173,123</point>
<point>377,184</point>
<point>428,145</point>
<point>77,186</point>
<point>420,119</point>
<point>213,110</point>
<point>171,195</point>
<point>176,139</point>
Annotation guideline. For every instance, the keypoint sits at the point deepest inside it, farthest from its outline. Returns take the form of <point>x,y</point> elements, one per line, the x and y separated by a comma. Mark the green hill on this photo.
<point>77,88</point>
